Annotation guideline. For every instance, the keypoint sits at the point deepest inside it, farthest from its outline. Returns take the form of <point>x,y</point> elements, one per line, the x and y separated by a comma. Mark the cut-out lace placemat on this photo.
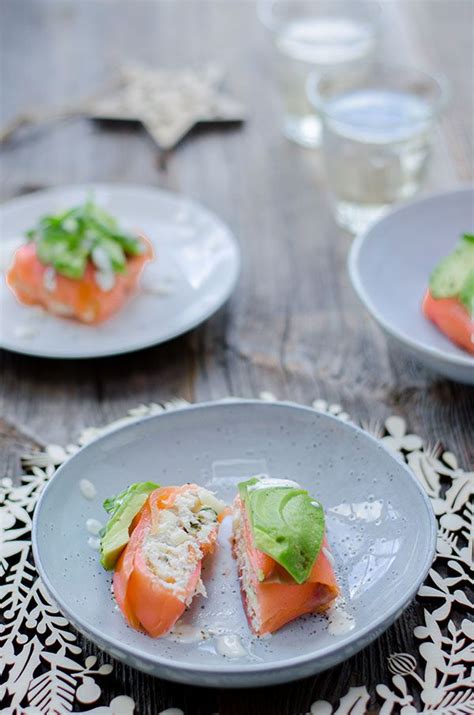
<point>42,668</point>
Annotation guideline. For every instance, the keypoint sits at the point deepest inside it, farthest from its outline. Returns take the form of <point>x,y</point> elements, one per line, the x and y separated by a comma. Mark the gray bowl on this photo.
<point>389,266</point>
<point>379,522</point>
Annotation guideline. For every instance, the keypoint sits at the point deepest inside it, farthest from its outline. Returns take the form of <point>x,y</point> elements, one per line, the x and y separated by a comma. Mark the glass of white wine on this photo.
<point>376,139</point>
<point>316,36</point>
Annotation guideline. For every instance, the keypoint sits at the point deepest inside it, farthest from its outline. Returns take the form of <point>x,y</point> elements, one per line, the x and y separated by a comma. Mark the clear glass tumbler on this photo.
<point>376,137</point>
<point>316,36</point>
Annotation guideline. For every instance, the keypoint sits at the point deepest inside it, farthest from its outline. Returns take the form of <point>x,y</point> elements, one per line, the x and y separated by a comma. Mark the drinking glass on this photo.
<point>376,140</point>
<point>316,36</point>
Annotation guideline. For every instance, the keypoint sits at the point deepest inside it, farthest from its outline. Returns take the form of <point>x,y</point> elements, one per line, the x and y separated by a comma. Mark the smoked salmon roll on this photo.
<point>158,573</point>
<point>449,300</point>
<point>283,558</point>
<point>78,265</point>
<point>452,318</point>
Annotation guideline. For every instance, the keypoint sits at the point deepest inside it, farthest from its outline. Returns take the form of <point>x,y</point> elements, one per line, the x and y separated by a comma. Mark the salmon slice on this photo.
<point>452,318</point>
<point>270,596</point>
<point>159,571</point>
<point>34,283</point>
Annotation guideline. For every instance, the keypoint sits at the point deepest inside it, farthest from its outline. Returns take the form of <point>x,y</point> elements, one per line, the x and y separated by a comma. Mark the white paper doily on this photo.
<point>43,672</point>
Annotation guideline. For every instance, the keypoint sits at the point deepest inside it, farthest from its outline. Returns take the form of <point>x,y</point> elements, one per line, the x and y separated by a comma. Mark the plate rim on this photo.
<point>233,278</point>
<point>363,637</point>
<point>357,283</point>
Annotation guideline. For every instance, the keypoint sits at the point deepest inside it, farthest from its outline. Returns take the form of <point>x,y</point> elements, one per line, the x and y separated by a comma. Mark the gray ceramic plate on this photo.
<point>390,264</point>
<point>380,526</point>
<point>196,268</point>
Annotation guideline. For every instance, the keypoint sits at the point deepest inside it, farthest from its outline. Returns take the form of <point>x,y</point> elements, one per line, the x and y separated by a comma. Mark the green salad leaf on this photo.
<point>68,240</point>
<point>286,523</point>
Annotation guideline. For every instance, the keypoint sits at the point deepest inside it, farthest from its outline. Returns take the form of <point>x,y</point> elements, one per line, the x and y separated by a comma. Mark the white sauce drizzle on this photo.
<point>154,283</point>
<point>70,225</point>
<point>101,259</point>
<point>94,543</point>
<point>340,620</point>
<point>32,327</point>
<point>93,526</point>
<point>49,279</point>
<point>104,275</point>
<point>105,280</point>
<point>88,490</point>
<point>157,290</point>
<point>230,646</point>
<point>25,331</point>
<point>184,633</point>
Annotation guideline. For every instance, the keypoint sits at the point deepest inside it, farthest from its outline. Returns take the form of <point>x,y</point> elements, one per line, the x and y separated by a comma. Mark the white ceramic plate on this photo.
<point>196,268</point>
<point>379,523</point>
<point>390,264</point>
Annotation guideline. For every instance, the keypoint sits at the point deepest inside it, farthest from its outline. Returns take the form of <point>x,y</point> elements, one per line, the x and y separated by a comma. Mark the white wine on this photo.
<point>316,45</point>
<point>376,145</point>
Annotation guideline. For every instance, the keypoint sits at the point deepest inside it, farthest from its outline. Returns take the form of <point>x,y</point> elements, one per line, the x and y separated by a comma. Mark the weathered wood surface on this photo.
<point>294,325</point>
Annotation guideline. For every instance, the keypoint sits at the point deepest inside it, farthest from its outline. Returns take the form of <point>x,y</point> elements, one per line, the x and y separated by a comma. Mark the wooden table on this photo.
<point>294,326</point>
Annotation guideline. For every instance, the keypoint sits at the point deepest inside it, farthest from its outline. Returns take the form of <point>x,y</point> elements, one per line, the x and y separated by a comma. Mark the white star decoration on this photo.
<point>168,102</point>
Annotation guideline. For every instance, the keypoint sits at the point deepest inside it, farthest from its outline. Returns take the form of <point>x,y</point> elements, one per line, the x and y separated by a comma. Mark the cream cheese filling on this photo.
<point>174,546</point>
<point>246,573</point>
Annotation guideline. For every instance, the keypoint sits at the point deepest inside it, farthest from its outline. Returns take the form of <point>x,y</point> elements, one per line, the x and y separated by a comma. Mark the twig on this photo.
<point>44,116</point>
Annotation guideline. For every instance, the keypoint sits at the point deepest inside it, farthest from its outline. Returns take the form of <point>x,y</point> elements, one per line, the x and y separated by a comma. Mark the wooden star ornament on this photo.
<point>169,103</point>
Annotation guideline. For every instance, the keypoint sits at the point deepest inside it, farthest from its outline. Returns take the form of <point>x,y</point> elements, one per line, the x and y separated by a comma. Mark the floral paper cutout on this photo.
<point>443,677</point>
<point>42,663</point>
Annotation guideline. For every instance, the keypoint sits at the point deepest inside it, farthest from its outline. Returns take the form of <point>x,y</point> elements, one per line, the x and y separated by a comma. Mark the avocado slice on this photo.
<point>122,509</point>
<point>466,296</point>
<point>286,522</point>
<point>449,276</point>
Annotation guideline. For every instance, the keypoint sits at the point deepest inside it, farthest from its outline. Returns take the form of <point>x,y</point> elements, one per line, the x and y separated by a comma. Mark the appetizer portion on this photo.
<point>78,264</point>
<point>158,571</point>
<point>449,301</point>
<point>282,554</point>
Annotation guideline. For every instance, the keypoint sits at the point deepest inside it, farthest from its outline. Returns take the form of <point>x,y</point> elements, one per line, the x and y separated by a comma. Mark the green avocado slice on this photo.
<point>449,276</point>
<point>466,296</point>
<point>286,522</point>
<point>122,509</point>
